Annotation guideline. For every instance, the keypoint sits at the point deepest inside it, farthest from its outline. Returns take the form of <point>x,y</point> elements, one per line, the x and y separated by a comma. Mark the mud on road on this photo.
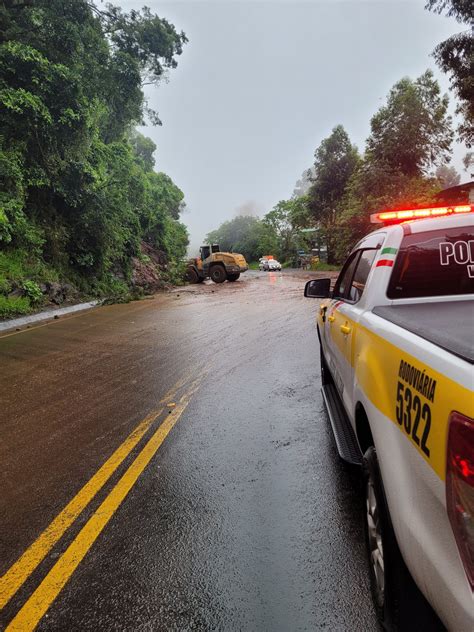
<point>243,519</point>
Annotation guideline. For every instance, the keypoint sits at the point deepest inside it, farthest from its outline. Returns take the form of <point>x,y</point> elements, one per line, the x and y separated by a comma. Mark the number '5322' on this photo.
<point>414,416</point>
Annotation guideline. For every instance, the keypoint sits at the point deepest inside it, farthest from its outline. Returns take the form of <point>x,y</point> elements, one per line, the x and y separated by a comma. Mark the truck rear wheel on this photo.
<point>233,277</point>
<point>398,601</point>
<point>218,274</point>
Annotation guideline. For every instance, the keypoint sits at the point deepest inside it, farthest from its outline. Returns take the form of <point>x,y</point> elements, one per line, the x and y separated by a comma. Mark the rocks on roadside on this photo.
<point>16,292</point>
<point>147,270</point>
<point>58,293</point>
<point>146,278</point>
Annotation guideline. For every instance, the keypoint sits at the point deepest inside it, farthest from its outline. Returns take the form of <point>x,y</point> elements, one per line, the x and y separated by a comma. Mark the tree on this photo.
<point>303,185</point>
<point>240,234</point>
<point>276,234</point>
<point>143,45</point>
<point>336,159</point>
<point>455,56</point>
<point>77,187</point>
<point>374,187</point>
<point>468,162</point>
<point>447,176</point>
<point>409,135</point>
<point>412,132</point>
<point>279,220</point>
<point>143,148</point>
<point>151,41</point>
<point>285,220</point>
<point>267,242</point>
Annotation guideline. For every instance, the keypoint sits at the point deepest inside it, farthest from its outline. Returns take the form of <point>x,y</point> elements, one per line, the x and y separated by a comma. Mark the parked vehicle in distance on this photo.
<point>262,261</point>
<point>397,369</point>
<point>271,264</point>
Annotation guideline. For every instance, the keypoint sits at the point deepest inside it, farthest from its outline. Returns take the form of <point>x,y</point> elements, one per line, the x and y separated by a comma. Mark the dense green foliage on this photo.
<point>240,234</point>
<point>276,234</point>
<point>468,162</point>
<point>456,57</point>
<point>410,135</point>
<point>447,176</point>
<point>336,160</point>
<point>78,191</point>
<point>412,132</point>
<point>284,222</point>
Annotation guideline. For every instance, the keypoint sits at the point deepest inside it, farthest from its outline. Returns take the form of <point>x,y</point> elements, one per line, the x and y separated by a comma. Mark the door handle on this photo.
<point>346,329</point>
<point>331,319</point>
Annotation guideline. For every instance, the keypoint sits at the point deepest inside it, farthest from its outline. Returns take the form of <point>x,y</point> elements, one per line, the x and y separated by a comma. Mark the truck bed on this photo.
<point>450,325</point>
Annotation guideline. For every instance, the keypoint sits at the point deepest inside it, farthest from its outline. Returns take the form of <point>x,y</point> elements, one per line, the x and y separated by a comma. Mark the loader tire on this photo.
<point>218,274</point>
<point>192,276</point>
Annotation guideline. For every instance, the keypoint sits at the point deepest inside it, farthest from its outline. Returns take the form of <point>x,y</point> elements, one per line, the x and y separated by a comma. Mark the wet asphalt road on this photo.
<point>244,519</point>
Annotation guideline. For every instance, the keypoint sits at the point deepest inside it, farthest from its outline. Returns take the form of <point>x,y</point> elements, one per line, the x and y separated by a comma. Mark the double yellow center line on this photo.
<point>41,599</point>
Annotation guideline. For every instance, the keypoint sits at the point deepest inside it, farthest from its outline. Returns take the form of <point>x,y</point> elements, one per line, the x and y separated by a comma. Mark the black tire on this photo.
<point>398,602</point>
<point>192,276</point>
<point>233,277</point>
<point>218,274</point>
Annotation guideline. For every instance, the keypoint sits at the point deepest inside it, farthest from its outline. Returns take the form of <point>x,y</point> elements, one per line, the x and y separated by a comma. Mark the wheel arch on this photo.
<point>216,264</point>
<point>363,431</point>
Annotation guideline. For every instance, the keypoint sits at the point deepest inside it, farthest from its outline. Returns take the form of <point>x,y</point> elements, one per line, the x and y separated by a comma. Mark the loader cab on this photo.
<point>206,251</point>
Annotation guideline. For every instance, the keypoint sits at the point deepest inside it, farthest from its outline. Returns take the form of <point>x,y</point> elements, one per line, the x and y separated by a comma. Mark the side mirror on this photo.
<point>318,288</point>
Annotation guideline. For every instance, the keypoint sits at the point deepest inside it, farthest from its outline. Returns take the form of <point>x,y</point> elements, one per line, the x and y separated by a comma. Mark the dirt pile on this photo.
<point>148,269</point>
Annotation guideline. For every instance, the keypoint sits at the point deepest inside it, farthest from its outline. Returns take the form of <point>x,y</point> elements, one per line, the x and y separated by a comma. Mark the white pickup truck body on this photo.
<point>397,339</point>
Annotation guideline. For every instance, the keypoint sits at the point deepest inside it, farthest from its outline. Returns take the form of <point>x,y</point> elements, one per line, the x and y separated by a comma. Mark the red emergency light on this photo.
<point>396,217</point>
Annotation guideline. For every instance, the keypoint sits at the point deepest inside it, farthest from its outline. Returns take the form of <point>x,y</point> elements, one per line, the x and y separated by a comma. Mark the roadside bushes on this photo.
<point>33,292</point>
<point>78,194</point>
<point>14,306</point>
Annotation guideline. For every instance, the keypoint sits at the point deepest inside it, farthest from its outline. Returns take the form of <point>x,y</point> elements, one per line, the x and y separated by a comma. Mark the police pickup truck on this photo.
<point>397,367</point>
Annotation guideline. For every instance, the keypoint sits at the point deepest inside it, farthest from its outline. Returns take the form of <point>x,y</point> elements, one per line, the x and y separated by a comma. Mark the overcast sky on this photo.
<point>260,84</point>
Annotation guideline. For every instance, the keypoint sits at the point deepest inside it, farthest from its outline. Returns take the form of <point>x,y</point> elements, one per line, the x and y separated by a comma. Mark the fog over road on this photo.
<point>222,504</point>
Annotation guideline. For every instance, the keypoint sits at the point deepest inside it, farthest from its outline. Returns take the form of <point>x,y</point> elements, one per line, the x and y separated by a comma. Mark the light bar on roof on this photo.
<point>396,217</point>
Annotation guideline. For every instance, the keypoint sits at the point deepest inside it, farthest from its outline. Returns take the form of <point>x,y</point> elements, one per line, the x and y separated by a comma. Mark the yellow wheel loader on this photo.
<point>218,266</point>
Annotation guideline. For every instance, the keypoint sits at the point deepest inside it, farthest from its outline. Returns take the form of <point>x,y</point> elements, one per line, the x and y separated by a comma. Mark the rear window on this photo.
<point>435,263</point>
